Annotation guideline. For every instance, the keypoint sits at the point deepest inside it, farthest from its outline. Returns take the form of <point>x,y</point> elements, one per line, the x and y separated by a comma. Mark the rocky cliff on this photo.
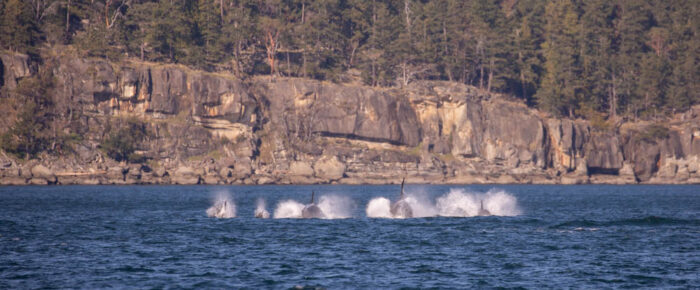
<point>211,128</point>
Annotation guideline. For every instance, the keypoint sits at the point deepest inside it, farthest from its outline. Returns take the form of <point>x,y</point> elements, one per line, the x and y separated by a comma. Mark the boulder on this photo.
<point>38,181</point>
<point>134,172</point>
<point>185,175</point>
<point>13,180</point>
<point>668,169</point>
<point>300,168</point>
<point>225,172</point>
<point>40,171</point>
<point>116,173</point>
<point>211,179</point>
<point>329,167</point>
<point>265,180</point>
<point>242,168</point>
<point>159,171</point>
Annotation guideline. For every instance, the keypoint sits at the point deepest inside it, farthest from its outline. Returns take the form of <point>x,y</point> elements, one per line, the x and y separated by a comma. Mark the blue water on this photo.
<point>160,236</point>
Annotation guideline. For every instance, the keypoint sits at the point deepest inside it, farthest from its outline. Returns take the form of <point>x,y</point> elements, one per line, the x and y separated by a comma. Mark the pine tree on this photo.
<point>17,27</point>
<point>558,90</point>
<point>208,24</point>
<point>527,34</point>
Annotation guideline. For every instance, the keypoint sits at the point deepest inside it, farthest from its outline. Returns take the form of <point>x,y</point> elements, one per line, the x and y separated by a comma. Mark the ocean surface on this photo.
<point>537,237</point>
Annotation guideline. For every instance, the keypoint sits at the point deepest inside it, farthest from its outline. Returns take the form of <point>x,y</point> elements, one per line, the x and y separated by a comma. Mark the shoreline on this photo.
<point>4,182</point>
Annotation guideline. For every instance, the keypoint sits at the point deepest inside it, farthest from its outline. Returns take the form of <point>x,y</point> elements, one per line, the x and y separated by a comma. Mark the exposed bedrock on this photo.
<point>304,106</point>
<point>212,128</point>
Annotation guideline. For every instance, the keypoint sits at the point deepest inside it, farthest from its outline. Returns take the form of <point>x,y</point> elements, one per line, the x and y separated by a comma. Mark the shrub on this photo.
<point>652,133</point>
<point>120,144</point>
<point>29,135</point>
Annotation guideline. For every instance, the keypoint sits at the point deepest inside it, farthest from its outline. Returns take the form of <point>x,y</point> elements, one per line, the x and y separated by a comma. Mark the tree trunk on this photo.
<point>522,85</point>
<point>68,17</point>
<point>221,11</point>
<point>107,3</point>
<point>481,75</point>
<point>488,87</point>
<point>303,40</point>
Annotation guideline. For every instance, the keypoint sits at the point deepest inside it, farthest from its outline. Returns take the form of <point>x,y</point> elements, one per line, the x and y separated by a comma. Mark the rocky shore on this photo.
<point>212,128</point>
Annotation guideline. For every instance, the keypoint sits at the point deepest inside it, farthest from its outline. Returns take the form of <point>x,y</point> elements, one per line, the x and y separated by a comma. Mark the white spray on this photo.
<point>379,207</point>
<point>460,203</point>
<point>455,203</point>
<point>333,207</point>
<point>336,206</point>
<point>223,207</point>
<point>261,209</point>
<point>288,209</point>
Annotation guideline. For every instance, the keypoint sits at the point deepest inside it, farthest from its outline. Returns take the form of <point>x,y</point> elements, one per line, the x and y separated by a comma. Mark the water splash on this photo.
<point>333,207</point>
<point>379,207</point>
<point>421,205</point>
<point>336,206</point>
<point>288,209</point>
<point>461,203</point>
<point>455,203</point>
<point>223,207</point>
<point>261,209</point>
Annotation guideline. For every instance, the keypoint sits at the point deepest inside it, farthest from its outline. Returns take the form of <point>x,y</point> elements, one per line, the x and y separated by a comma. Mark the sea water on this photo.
<point>538,237</point>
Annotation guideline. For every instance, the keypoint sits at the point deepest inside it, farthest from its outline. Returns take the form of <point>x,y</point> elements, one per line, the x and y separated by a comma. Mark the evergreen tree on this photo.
<point>17,27</point>
<point>208,24</point>
<point>558,90</point>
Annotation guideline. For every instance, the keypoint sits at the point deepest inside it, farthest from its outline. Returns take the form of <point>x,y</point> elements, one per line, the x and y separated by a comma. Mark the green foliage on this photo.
<point>652,133</point>
<point>121,143</point>
<point>18,30</point>
<point>629,57</point>
<point>32,132</point>
<point>29,135</point>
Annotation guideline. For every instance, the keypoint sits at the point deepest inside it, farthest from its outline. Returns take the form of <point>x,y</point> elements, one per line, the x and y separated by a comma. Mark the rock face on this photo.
<point>304,107</point>
<point>207,128</point>
<point>603,154</point>
<point>329,168</point>
<point>40,171</point>
<point>185,175</point>
<point>13,67</point>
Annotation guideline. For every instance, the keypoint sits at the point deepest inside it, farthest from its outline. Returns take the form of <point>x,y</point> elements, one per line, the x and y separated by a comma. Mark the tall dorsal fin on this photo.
<point>312,196</point>
<point>402,182</point>
<point>482,204</point>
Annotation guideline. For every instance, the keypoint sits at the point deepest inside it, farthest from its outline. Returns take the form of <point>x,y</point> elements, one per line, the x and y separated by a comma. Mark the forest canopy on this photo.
<point>569,57</point>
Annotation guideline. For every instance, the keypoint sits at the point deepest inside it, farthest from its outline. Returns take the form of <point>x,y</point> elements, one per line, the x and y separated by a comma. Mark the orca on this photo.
<point>260,211</point>
<point>262,214</point>
<point>222,210</point>
<point>311,210</point>
<point>483,211</point>
<point>401,208</point>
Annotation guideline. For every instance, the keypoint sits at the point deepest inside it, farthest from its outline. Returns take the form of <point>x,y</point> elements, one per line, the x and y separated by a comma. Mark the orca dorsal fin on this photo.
<point>312,196</point>
<point>482,204</point>
<point>402,182</point>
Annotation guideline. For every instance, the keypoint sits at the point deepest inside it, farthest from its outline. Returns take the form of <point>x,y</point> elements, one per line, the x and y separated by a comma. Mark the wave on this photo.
<point>644,221</point>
